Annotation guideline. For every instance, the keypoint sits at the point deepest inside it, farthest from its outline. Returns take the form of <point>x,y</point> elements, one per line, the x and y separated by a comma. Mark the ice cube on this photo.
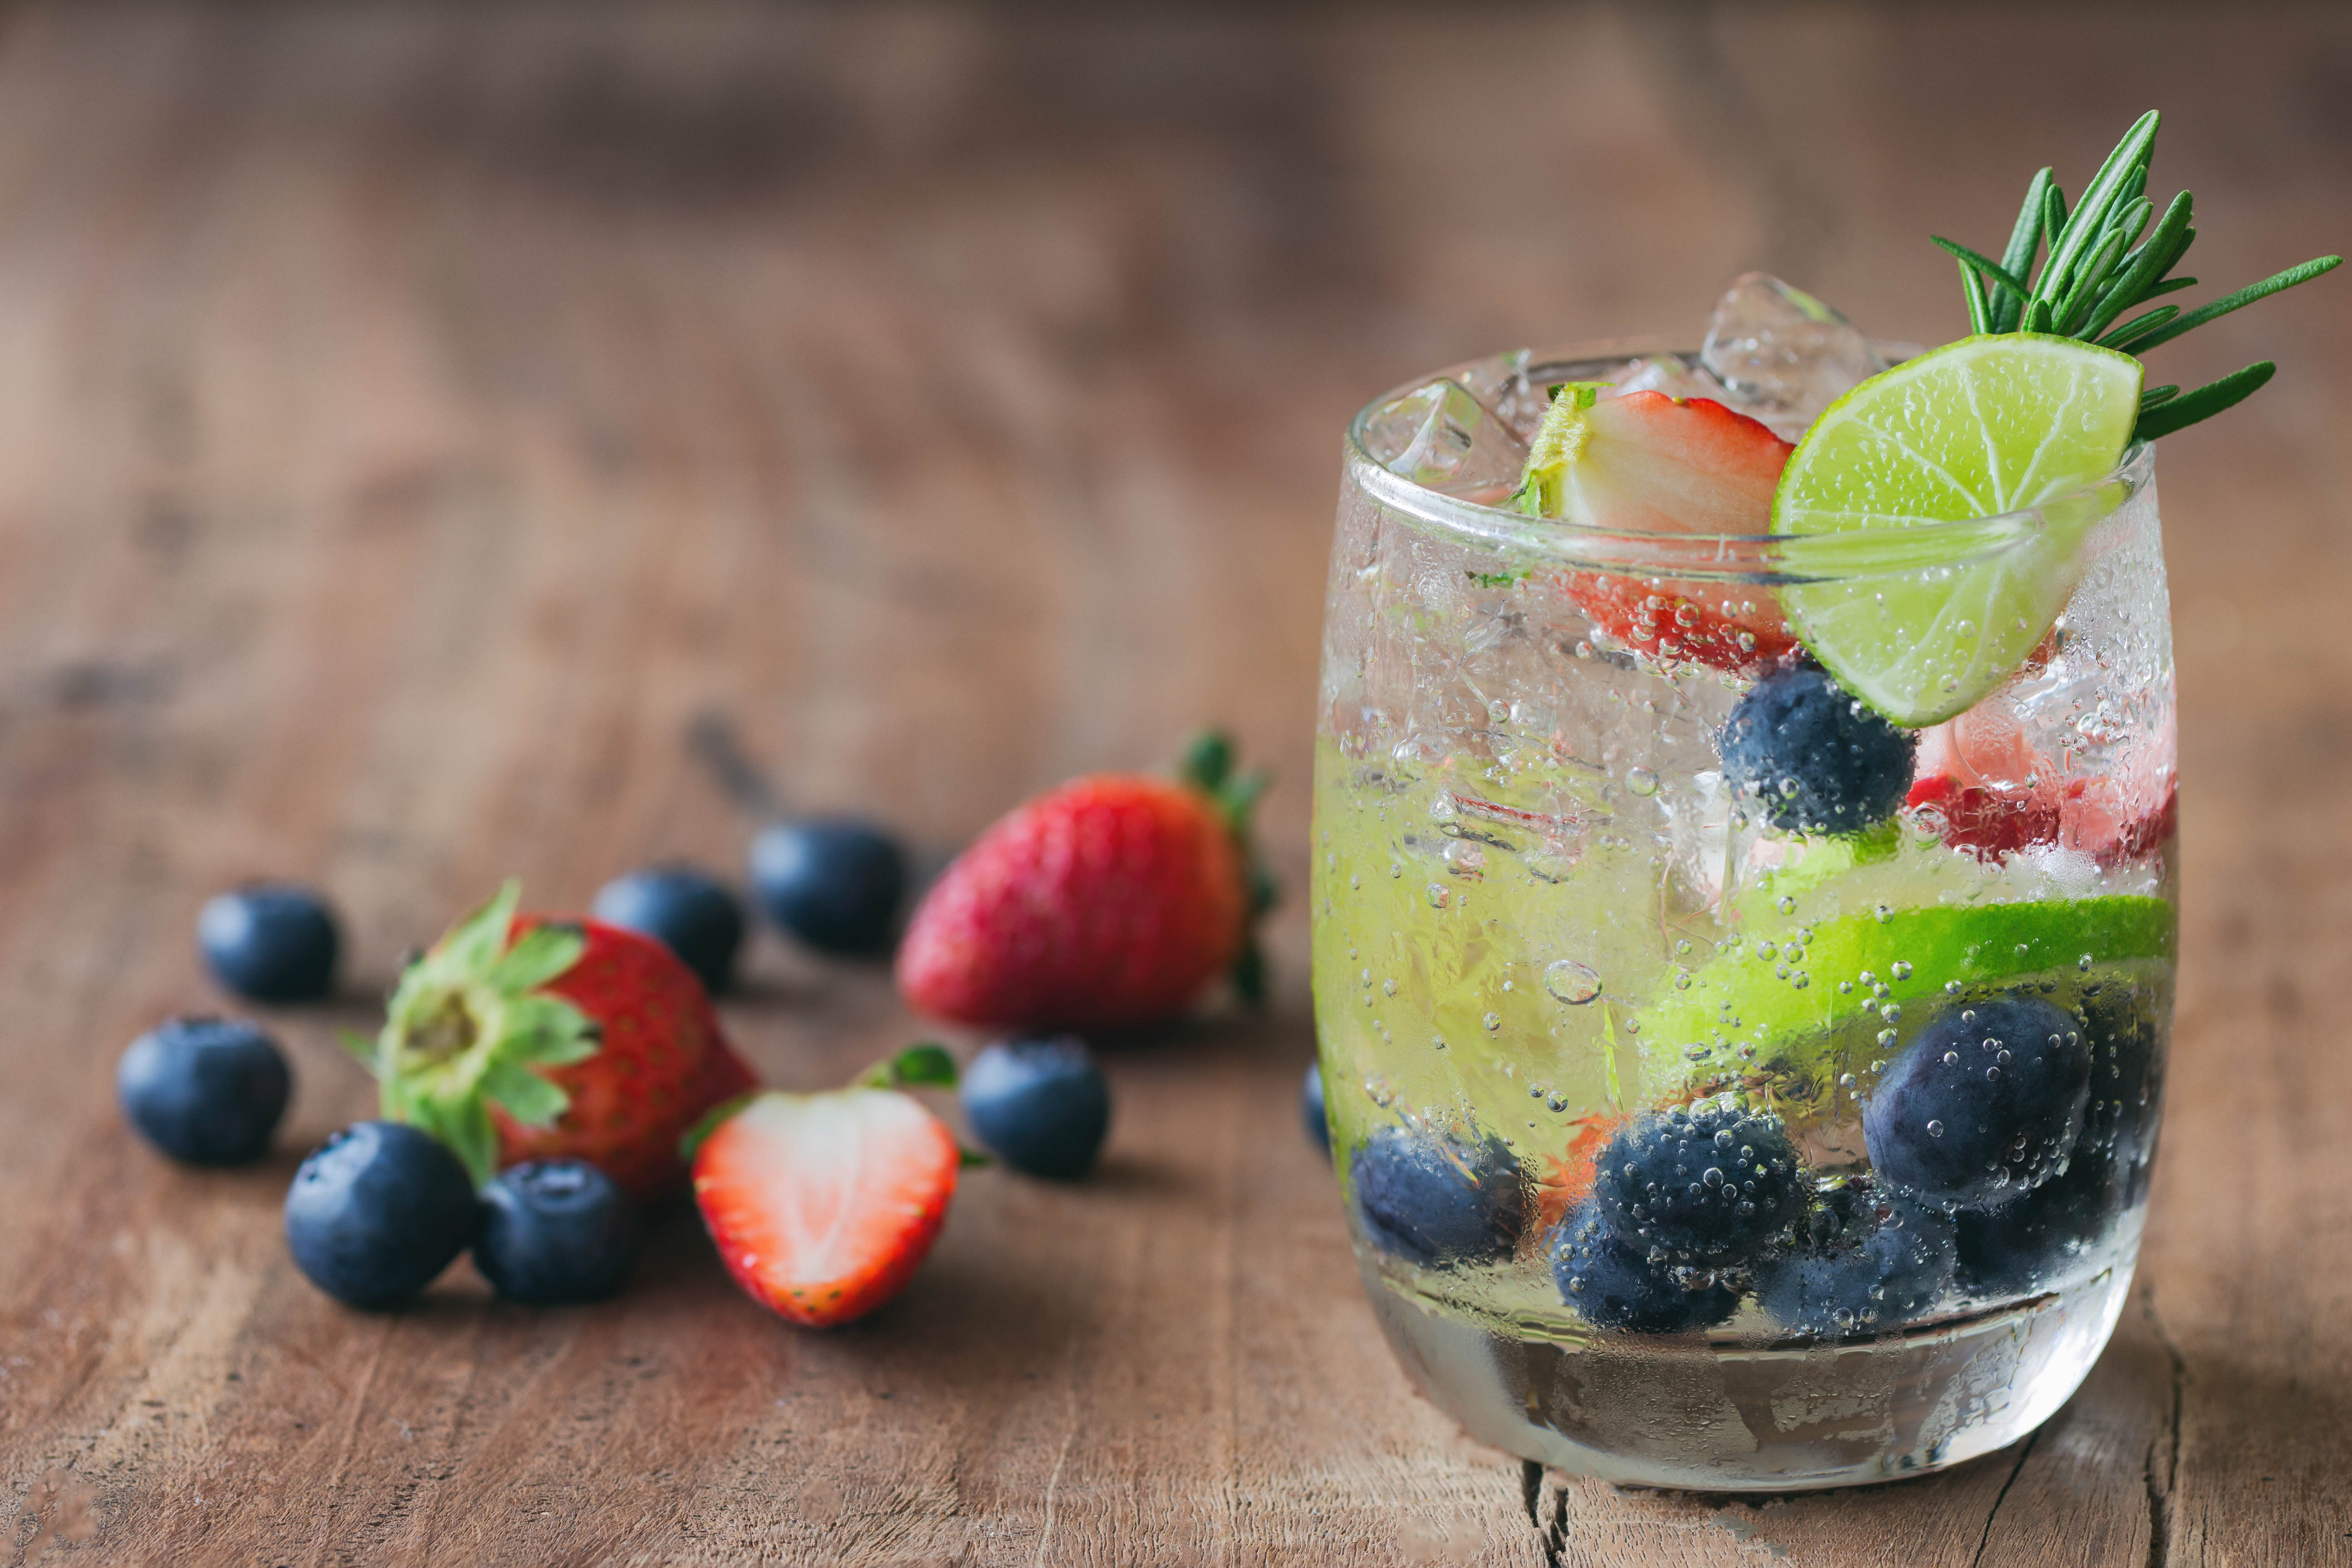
<point>1441,436</point>
<point>1783,355</point>
<point>1677,377</point>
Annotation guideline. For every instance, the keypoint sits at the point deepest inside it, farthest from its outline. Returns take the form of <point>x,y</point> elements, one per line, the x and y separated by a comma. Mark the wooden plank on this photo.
<point>413,419</point>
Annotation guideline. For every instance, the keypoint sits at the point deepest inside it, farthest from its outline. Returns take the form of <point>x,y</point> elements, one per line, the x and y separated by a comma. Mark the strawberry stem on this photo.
<point>926,1065</point>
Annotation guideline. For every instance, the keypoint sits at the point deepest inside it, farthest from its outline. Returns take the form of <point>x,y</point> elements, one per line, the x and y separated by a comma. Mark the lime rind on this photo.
<point>1984,428</point>
<point>1762,994</point>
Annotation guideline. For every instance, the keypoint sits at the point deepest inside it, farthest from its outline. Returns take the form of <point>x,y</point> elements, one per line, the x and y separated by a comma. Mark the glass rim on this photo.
<point>1761,558</point>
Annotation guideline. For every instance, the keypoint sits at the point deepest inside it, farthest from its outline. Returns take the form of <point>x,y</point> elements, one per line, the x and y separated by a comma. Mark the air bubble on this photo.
<point>1934,1129</point>
<point>1641,781</point>
<point>1388,987</point>
<point>1886,1038</point>
<point>1786,904</point>
<point>1570,981</point>
<point>1891,1013</point>
<point>2083,963</point>
<point>1900,969</point>
<point>1439,898</point>
<point>1765,950</point>
<point>1396,867</point>
<point>1884,913</point>
<point>1952,1058</point>
<point>1492,1021</point>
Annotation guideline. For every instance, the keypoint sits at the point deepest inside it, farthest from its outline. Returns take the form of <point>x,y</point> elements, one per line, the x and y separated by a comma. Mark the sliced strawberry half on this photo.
<point>1648,463</point>
<point>1568,1176</point>
<point>823,1205</point>
<point>1992,794</point>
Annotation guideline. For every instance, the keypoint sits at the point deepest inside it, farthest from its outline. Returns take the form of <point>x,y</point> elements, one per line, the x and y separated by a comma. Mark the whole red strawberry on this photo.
<point>525,1037</point>
<point>1113,899</point>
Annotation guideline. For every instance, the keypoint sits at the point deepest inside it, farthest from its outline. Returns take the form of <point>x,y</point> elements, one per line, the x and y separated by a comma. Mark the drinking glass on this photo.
<point>1548,934</point>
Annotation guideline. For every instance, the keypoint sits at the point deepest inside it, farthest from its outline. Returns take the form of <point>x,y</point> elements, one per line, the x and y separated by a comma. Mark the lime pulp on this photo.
<point>1980,428</point>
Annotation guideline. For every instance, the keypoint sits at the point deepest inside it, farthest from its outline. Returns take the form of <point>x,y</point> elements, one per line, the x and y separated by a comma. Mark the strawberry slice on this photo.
<point>1648,463</point>
<point>823,1205</point>
<point>1567,1177</point>
<point>1996,793</point>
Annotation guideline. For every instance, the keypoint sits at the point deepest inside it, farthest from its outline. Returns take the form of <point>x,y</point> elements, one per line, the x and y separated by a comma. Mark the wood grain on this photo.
<point>413,419</point>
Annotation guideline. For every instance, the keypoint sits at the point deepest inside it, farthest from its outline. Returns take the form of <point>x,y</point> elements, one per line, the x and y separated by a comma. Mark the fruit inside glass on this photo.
<point>1691,1138</point>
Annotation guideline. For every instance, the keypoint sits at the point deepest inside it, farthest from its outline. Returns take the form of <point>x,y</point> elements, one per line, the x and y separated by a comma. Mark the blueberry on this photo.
<point>2127,1073</point>
<point>270,941</point>
<point>1890,1264</point>
<point>1435,1199</point>
<point>692,914</point>
<point>1711,1183</point>
<point>2021,1246</point>
<point>1982,1106</point>
<point>1042,1105</point>
<point>555,1231</point>
<point>377,1212</point>
<point>207,1090</point>
<point>1813,756</point>
<point>833,882</point>
<point>1615,1284</point>
<point>1310,1107</point>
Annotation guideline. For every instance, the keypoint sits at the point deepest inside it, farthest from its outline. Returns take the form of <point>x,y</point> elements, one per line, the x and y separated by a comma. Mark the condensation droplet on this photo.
<point>1570,981</point>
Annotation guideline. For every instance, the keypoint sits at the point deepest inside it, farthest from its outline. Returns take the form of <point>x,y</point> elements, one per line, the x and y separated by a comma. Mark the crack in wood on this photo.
<point>2160,1491</point>
<point>2024,1452</point>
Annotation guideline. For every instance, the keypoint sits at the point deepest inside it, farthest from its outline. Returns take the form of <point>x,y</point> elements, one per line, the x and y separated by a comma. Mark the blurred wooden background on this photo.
<point>410,420</point>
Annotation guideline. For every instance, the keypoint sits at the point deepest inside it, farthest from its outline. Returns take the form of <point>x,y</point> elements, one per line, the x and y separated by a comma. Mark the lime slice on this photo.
<point>1775,989</point>
<point>1979,428</point>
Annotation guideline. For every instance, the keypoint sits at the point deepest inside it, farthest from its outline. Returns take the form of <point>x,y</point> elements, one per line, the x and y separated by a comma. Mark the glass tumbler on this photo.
<point>1563,968</point>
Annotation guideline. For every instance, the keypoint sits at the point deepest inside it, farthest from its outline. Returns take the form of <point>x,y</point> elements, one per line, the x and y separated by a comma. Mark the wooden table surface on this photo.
<point>410,421</point>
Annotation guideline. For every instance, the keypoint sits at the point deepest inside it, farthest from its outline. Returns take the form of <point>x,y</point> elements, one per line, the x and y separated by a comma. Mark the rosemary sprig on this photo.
<point>2103,260</point>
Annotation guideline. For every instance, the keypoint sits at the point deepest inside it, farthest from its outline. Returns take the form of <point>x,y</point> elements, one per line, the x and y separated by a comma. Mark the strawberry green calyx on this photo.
<point>1208,767</point>
<point>468,1023</point>
<point>1557,440</point>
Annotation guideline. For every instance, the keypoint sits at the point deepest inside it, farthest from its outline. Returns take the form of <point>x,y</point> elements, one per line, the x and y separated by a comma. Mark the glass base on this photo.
<point>1704,1414</point>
